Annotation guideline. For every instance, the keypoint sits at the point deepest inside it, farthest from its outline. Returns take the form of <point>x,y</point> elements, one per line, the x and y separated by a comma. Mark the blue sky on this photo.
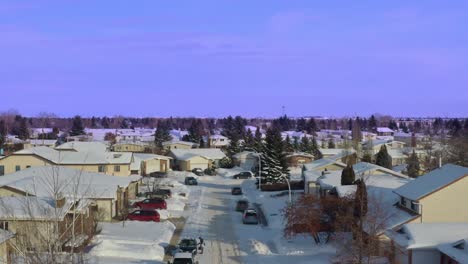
<point>215,58</point>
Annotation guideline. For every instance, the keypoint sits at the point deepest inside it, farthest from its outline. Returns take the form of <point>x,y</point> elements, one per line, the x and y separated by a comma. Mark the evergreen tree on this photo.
<point>249,140</point>
<point>77,126</point>
<point>356,133</point>
<point>93,122</point>
<point>372,124</point>
<point>331,143</point>
<point>359,212</point>
<point>348,176</point>
<point>296,146</point>
<point>161,135</point>
<point>105,122</point>
<point>311,126</point>
<point>233,147</point>
<point>273,159</point>
<point>413,140</point>
<point>383,158</point>
<point>301,125</point>
<point>413,166</point>
<point>305,145</point>
<point>288,147</point>
<point>367,157</point>
<point>258,140</point>
<point>195,132</point>
<point>315,149</point>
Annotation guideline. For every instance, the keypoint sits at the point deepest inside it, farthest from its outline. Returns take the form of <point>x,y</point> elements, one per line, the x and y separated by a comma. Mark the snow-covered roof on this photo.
<point>80,157</point>
<point>187,143</point>
<point>458,251</point>
<point>40,181</point>
<point>42,141</point>
<point>384,130</point>
<point>93,146</point>
<point>396,153</point>
<point>428,235</point>
<point>302,154</point>
<point>311,176</point>
<point>320,163</point>
<point>139,157</point>
<point>31,207</point>
<point>208,153</point>
<point>332,151</point>
<point>432,181</point>
<point>245,153</point>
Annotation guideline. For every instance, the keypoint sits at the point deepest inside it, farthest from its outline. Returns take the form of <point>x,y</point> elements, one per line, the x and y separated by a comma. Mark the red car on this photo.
<point>151,203</point>
<point>144,215</point>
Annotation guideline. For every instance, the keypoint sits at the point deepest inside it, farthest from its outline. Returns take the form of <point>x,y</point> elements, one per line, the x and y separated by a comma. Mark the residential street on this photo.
<point>211,219</point>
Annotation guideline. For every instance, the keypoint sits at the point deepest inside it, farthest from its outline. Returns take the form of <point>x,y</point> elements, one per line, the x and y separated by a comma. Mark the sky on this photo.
<point>234,57</point>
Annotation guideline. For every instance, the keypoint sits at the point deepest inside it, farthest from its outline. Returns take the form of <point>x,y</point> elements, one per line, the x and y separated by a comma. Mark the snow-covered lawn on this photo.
<point>228,173</point>
<point>135,240</point>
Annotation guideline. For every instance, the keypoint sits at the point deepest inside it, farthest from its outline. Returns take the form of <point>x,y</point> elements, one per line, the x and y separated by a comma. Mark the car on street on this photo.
<point>236,191</point>
<point>151,203</point>
<point>159,193</point>
<point>250,217</point>
<point>144,215</point>
<point>183,258</point>
<point>198,172</point>
<point>190,181</point>
<point>188,245</point>
<point>242,205</point>
<point>243,175</point>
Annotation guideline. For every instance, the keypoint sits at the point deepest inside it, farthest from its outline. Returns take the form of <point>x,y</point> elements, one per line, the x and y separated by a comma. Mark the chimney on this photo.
<point>60,202</point>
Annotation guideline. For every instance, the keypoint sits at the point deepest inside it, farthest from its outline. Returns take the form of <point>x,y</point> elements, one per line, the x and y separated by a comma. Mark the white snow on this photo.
<point>135,240</point>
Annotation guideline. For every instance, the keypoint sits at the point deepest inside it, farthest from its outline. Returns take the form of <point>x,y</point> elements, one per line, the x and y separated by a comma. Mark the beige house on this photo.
<point>36,220</point>
<point>170,145</point>
<point>6,248</point>
<point>130,147</point>
<point>436,196</point>
<point>110,195</point>
<point>40,142</point>
<point>314,170</point>
<point>203,158</point>
<point>111,163</point>
<point>146,164</point>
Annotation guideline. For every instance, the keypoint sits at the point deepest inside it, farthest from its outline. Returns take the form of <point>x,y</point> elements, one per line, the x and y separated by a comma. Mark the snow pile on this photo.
<point>135,240</point>
<point>163,214</point>
<point>259,247</point>
<point>174,204</point>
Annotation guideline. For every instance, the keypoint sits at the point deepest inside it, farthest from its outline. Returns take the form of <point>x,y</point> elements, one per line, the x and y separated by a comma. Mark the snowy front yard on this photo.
<point>134,240</point>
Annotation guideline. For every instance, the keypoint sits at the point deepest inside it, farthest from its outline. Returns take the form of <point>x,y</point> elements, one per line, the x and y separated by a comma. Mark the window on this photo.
<point>2,170</point>
<point>17,168</point>
<point>3,225</point>
<point>102,168</point>
<point>403,201</point>
<point>117,168</point>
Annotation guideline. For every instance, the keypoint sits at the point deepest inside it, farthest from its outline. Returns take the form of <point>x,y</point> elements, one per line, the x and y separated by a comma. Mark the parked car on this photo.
<point>236,191</point>
<point>151,203</point>
<point>210,171</point>
<point>159,193</point>
<point>243,175</point>
<point>158,174</point>
<point>183,258</point>
<point>250,216</point>
<point>188,245</point>
<point>190,181</point>
<point>242,205</point>
<point>198,172</point>
<point>144,215</point>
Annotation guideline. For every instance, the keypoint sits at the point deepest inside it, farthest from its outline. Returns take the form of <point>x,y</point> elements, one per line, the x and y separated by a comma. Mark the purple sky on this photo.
<point>215,58</point>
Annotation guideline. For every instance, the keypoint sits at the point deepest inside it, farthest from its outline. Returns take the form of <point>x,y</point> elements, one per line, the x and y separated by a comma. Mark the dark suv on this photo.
<point>198,172</point>
<point>236,191</point>
<point>243,175</point>
<point>190,181</point>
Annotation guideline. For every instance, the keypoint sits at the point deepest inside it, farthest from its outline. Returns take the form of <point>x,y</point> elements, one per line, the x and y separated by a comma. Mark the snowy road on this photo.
<point>211,219</point>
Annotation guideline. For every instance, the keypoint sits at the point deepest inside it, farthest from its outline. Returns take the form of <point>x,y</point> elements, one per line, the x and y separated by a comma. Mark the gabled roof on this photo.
<point>187,143</point>
<point>208,153</point>
<point>83,146</point>
<point>384,130</point>
<point>320,163</point>
<point>72,157</point>
<point>457,251</point>
<point>428,235</point>
<point>432,181</point>
<point>40,181</point>
<point>31,207</point>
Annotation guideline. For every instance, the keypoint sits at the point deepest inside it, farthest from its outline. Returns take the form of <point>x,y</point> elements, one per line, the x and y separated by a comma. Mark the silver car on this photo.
<point>250,217</point>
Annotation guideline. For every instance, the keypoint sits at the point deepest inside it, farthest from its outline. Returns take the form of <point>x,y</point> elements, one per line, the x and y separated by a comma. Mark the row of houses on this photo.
<point>426,219</point>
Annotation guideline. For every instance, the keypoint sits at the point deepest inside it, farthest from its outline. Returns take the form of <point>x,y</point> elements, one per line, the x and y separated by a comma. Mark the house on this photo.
<point>298,159</point>
<point>78,146</point>
<point>429,243</point>
<point>246,160</point>
<point>384,131</point>
<point>40,142</point>
<point>454,253</point>
<point>6,248</point>
<point>178,144</point>
<point>111,163</point>
<point>107,193</point>
<point>188,159</point>
<point>137,146</point>
<point>436,196</point>
<point>217,141</point>
<point>37,220</point>
<point>145,164</point>
<point>314,170</point>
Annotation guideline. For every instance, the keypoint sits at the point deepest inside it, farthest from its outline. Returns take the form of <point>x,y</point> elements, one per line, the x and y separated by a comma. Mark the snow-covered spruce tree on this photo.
<point>249,140</point>
<point>273,159</point>
<point>413,167</point>
<point>161,135</point>
<point>383,158</point>
<point>288,147</point>
<point>258,146</point>
<point>315,149</point>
